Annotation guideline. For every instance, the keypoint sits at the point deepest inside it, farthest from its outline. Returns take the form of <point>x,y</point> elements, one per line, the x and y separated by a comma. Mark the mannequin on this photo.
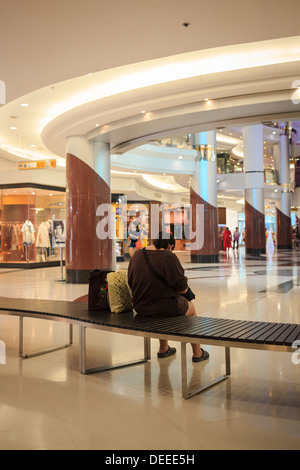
<point>28,235</point>
<point>43,240</point>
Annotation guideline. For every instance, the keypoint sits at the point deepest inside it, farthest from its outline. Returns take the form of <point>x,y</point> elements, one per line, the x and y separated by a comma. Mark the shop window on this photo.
<point>27,216</point>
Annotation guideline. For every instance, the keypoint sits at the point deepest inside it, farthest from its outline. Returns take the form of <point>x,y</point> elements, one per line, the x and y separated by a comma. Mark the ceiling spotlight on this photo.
<point>180,157</point>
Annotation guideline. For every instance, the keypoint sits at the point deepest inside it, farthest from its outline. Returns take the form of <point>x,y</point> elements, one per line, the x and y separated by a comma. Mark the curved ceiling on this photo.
<point>129,72</point>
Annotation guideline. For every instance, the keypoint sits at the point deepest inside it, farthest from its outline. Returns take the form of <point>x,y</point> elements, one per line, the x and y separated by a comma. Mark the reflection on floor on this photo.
<point>47,404</point>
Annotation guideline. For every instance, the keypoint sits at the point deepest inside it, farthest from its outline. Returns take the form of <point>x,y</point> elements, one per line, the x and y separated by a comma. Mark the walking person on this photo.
<point>236,237</point>
<point>227,240</point>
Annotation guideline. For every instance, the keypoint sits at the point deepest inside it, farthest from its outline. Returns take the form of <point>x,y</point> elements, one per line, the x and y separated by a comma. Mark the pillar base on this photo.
<point>78,276</point>
<point>204,258</point>
<point>255,251</point>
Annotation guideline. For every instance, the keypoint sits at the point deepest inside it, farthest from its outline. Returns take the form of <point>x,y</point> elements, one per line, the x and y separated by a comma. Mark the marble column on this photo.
<point>87,191</point>
<point>283,215</point>
<point>255,239</point>
<point>203,197</point>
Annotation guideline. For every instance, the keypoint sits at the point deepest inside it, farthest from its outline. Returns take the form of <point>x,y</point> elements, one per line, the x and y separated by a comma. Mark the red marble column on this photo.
<point>203,193</point>
<point>283,216</point>
<point>255,239</point>
<point>209,252</point>
<point>86,190</point>
<point>284,231</point>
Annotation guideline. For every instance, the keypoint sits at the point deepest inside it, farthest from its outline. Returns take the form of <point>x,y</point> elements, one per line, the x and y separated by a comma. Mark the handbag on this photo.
<point>98,290</point>
<point>138,244</point>
<point>120,297</point>
<point>189,295</point>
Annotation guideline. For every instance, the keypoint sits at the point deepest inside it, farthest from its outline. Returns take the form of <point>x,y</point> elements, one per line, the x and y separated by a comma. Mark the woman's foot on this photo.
<point>204,356</point>
<point>167,353</point>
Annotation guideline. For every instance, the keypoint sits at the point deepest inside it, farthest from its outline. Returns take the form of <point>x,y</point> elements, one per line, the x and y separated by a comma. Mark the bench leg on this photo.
<point>83,350</point>
<point>39,353</point>
<point>188,394</point>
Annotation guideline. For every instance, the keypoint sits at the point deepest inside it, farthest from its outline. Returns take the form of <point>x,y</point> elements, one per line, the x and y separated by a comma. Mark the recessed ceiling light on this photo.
<point>13,128</point>
<point>143,111</point>
<point>24,105</point>
<point>180,157</point>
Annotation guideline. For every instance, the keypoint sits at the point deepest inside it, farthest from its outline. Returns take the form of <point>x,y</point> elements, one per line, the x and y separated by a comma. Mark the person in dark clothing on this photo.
<point>158,290</point>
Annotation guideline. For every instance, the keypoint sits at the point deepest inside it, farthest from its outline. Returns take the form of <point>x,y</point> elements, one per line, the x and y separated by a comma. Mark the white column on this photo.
<point>283,216</point>
<point>254,189</point>
<point>102,161</point>
<point>254,166</point>
<point>285,171</point>
<point>204,180</point>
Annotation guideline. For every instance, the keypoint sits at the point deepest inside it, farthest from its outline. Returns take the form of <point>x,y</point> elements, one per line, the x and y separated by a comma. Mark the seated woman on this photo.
<point>158,290</point>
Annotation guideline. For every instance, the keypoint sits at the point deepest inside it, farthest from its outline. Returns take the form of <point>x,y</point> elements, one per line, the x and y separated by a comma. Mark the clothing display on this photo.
<point>11,236</point>
<point>42,239</point>
<point>28,231</point>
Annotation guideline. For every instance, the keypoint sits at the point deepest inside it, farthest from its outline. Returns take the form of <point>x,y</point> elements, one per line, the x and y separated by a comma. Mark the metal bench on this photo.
<point>203,330</point>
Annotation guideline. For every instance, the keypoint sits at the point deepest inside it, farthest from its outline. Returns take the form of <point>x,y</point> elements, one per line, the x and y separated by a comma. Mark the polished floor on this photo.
<point>45,403</point>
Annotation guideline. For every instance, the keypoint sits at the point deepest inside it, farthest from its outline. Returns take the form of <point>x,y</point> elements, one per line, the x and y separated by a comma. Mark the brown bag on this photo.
<point>98,290</point>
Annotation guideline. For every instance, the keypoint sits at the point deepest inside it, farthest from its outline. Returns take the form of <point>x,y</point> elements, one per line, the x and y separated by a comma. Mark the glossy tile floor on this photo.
<point>45,403</point>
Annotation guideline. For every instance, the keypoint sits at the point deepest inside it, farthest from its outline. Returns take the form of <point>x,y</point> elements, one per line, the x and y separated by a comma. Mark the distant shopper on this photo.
<point>236,237</point>
<point>227,239</point>
<point>133,235</point>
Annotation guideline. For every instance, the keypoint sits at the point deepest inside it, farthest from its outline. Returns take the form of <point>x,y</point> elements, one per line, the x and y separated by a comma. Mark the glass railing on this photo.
<point>271,176</point>
<point>226,163</point>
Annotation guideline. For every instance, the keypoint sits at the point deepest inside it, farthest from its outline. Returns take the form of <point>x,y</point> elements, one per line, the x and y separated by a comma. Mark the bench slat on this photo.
<point>282,333</point>
<point>294,336</point>
<point>241,330</point>
<point>259,336</point>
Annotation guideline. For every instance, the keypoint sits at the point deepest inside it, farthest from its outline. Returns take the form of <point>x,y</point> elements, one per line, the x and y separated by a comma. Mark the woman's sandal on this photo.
<point>169,352</point>
<point>204,356</point>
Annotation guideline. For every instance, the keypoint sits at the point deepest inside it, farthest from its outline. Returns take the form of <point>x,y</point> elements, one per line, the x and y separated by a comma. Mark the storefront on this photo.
<point>30,217</point>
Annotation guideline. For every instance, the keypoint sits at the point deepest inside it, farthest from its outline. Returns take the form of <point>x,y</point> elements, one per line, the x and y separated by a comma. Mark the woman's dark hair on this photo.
<point>163,240</point>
